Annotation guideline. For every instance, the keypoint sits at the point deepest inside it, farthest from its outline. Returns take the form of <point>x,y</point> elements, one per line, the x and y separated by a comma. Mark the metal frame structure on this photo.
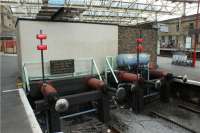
<point>54,123</point>
<point>27,77</point>
<point>111,66</point>
<point>124,12</point>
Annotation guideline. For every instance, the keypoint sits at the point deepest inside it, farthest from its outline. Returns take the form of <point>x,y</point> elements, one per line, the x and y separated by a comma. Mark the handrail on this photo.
<point>26,77</point>
<point>46,61</point>
<point>63,75</point>
<point>95,66</point>
<point>107,62</point>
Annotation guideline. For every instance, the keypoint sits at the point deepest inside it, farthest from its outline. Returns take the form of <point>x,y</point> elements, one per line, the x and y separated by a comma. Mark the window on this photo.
<point>191,26</point>
<point>163,38</point>
<point>177,27</point>
<point>170,38</point>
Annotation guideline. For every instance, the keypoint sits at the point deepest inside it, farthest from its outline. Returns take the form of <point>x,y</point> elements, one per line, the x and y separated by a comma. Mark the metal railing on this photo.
<point>89,68</point>
<point>109,68</point>
<point>96,68</point>
<point>25,77</point>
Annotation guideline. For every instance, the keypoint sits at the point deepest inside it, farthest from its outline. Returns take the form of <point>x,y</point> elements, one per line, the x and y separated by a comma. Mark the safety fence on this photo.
<point>82,67</point>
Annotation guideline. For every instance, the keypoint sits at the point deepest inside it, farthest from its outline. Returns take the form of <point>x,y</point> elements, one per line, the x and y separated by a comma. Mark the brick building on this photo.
<point>178,33</point>
<point>128,34</point>
<point>7,24</point>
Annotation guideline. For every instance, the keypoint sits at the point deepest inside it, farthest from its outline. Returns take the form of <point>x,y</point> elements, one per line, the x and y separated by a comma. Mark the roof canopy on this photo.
<point>127,12</point>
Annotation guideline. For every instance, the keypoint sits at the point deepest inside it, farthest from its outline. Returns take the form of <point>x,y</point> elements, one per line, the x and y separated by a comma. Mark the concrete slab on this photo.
<point>16,113</point>
<point>14,118</point>
<point>9,72</point>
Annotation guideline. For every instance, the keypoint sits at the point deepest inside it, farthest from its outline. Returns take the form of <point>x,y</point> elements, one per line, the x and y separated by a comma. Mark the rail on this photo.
<point>111,69</point>
<point>90,68</point>
<point>96,68</point>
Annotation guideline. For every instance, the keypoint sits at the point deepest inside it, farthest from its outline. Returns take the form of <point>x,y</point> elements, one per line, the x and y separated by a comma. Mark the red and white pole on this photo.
<point>41,47</point>
<point>196,36</point>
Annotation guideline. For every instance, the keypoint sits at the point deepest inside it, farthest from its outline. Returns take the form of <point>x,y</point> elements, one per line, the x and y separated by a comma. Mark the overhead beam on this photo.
<point>132,3</point>
<point>111,7</point>
<point>96,19</point>
<point>24,12</point>
<point>119,8</point>
<point>100,17</point>
<point>55,9</point>
<point>13,3</point>
<point>25,15</point>
<point>119,21</point>
<point>185,1</point>
<point>113,16</point>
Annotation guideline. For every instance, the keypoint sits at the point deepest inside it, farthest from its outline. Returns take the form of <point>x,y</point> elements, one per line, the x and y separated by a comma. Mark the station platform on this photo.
<point>16,113</point>
<point>164,63</point>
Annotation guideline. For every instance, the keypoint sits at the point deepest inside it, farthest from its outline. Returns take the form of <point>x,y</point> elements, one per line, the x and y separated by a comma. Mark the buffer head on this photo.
<point>61,105</point>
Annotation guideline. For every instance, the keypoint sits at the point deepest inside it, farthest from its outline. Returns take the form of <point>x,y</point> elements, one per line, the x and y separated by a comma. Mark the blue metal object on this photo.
<point>131,59</point>
<point>56,2</point>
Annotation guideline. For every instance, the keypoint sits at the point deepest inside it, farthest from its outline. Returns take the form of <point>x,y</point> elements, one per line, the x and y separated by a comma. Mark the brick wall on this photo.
<point>127,36</point>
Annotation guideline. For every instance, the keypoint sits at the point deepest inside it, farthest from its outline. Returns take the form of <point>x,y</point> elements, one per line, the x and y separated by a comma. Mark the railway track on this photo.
<point>189,108</point>
<point>164,117</point>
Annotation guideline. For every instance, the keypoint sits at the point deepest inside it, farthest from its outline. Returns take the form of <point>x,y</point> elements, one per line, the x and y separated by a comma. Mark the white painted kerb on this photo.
<point>29,112</point>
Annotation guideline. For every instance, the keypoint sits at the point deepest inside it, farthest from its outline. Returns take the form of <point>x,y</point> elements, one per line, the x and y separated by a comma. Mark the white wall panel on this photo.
<point>68,40</point>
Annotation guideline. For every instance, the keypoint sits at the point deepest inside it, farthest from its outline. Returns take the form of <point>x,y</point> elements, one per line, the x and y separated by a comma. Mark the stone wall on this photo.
<point>127,44</point>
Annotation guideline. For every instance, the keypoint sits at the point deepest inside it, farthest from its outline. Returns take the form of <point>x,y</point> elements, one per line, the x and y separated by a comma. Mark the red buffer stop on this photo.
<point>42,47</point>
<point>41,36</point>
<point>139,40</point>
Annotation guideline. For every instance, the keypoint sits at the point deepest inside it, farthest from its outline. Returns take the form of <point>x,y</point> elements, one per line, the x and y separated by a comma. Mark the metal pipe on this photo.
<point>96,84</point>
<point>151,95</point>
<point>42,60</point>
<point>79,113</point>
<point>126,76</point>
